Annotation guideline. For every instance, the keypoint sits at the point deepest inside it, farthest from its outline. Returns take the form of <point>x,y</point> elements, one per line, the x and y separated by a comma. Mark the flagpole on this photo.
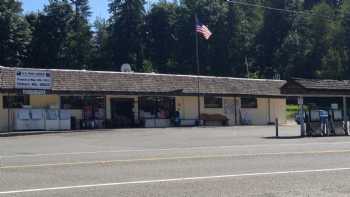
<point>198,73</point>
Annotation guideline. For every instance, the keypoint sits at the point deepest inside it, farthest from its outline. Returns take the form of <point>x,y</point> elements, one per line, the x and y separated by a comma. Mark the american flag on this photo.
<point>203,30</point>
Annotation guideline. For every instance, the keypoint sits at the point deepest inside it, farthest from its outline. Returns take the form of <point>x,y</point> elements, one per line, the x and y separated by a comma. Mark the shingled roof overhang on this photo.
<point>316,87</point>
<point>117,83</point>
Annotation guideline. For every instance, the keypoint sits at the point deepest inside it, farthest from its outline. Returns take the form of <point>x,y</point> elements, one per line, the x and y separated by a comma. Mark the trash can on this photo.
<point>73,122</point>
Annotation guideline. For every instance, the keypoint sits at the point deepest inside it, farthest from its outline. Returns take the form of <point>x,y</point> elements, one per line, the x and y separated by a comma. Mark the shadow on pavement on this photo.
<point>283,137</point>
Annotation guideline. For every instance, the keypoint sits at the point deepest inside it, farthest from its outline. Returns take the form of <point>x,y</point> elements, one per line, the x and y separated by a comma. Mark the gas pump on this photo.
<point>337,123</point>
<point>317,122</point>
<point>325,122</point>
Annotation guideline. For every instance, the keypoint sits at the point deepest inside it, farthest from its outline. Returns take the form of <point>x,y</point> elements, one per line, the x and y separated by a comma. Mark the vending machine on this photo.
<point>37,119</point>
<point>52,120</point>
<point>65,120</point>
<point>22,120</point>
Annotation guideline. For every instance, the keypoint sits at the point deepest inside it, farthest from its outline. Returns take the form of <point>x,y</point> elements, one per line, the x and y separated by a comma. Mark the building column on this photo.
<point>9,120</point>
<point>301,115</point>
<point>269,110</point>
<point>345,114</point>
<point>235,103</point>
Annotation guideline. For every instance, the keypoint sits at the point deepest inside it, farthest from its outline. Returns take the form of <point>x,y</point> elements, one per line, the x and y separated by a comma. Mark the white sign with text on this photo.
<point>35,80</point>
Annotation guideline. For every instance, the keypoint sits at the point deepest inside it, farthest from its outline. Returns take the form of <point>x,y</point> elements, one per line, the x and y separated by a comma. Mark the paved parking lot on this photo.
<point>226,161</point>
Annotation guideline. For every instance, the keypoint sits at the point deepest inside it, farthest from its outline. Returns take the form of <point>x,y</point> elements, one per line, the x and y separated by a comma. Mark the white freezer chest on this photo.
<point>22,119</point>
<point>37,119</point>
<point>65,122</point>
<point>52,120</point>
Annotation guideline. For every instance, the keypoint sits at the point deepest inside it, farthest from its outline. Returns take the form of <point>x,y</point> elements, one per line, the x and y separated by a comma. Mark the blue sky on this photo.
<point>98,7</point>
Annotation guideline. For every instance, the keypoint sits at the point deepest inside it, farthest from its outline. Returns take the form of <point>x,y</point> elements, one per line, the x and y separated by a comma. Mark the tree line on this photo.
<point>313,42</point>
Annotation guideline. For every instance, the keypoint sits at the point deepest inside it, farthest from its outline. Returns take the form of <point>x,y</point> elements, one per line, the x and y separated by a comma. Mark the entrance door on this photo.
<point>122,112</point>
<point>230,108</point>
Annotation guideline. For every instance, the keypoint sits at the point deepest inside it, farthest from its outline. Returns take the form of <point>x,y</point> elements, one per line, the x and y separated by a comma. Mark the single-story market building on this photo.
<point>99,99</point>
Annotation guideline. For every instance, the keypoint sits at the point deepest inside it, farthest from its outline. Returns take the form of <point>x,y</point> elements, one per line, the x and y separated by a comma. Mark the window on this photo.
<point>15,101</point>
<point>212,102</point>
<point>71,102</point>
<point>249,102</point>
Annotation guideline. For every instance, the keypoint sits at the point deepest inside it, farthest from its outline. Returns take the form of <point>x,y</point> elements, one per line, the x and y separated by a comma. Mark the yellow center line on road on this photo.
<point>172,149</point>
<point>105,162</point>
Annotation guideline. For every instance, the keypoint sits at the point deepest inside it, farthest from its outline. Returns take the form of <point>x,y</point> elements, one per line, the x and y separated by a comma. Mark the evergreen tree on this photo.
<point>101,58</point>
<point>275,29</point>
<point>309,4</point>
<point>79,39</point>
<point>322,34</point>
<point>295,50</point>
<point>312,44</point>
<point>244,23</point>
<point>15,34</point>
<point>127,32</point>
<point>161,38</point>
<point>50,46</point>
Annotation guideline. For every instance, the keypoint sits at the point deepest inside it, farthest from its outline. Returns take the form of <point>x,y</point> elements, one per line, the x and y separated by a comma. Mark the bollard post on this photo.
<point>276,124</point>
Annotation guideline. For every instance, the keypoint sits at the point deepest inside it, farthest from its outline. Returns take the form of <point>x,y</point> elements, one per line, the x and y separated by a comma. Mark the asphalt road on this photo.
<point>230,161</point>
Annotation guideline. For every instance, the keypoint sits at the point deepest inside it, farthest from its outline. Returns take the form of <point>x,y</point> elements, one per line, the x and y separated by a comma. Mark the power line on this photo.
<point>279,9</point>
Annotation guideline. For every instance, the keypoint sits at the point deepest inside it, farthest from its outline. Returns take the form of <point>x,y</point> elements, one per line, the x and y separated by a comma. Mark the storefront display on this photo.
<point>157,111</point>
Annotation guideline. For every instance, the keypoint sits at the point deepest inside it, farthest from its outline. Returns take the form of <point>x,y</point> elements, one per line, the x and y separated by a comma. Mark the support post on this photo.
<point>235,101</point>
<point>345,114</point>
<point>8,112</point>
<point>105,108</point>
<point>138,111</point>
<point>301,115</point>
<point>269,110</point>
<point>198,73</point>
<point>276,124</point>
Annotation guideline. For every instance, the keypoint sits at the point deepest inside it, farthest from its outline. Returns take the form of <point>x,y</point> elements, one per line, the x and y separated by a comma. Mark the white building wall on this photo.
<point>228,109</point>
<point>256,116</point>
<point>262,115</point>
<point>279,110</point>
<point>3,116</point>
<point>187,106</point>
<point>231,109</point>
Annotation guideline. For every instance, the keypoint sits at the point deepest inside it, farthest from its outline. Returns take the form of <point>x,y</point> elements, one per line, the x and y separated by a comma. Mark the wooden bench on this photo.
<point>214,119</point>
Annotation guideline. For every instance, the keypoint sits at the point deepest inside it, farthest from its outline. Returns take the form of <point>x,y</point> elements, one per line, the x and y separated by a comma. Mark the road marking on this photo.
<point>200,178</point>
<point>169,159</point>
<point>167,149</point>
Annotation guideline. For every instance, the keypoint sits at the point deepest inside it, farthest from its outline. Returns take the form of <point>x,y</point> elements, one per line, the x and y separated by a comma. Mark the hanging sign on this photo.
<point>300,101</point>
<point>34,92</point>
<point>33,79</point>
<point>334,106</point>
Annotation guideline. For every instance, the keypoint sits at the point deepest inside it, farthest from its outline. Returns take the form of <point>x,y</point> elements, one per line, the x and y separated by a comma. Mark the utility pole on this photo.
<point>198,74</point>
<point>247,64</point>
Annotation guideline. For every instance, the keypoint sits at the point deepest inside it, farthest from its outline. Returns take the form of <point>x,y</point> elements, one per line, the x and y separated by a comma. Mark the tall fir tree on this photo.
<point>344,37</point>
<point>79,39</point>
<point>275,29</point>
<point>49,47</point>
<point>101,57</point>
<point>309,4</point>
<point>127,32</point>
<point>15,34</point>
<point>161,39</point>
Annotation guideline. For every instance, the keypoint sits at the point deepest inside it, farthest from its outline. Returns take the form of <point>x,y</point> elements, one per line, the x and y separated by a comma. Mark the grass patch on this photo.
<point>291,111</point>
